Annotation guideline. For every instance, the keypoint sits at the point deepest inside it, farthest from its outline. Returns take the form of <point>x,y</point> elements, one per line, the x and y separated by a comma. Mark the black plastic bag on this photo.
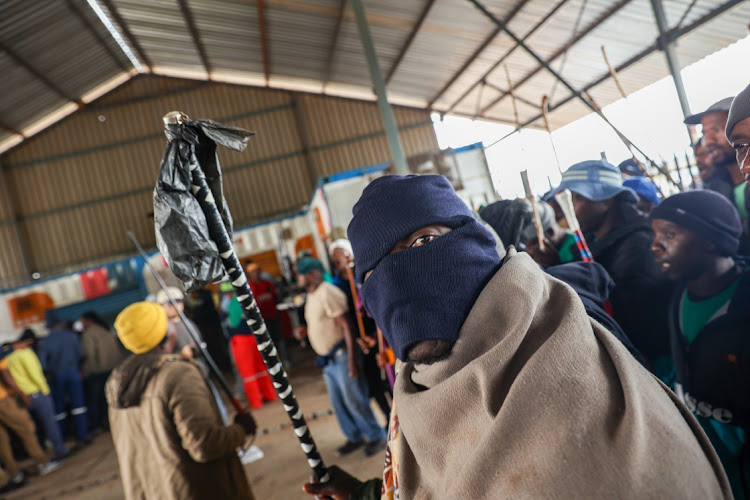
<point>181,231</point>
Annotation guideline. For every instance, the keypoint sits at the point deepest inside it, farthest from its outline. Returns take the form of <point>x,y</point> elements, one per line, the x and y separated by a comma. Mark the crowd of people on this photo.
<point>52,393</point>
<point>524,366</point>
<point>541,370</point>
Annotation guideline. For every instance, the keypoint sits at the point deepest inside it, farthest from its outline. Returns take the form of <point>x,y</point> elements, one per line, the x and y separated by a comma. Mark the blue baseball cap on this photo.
<point>596,180</point>
<point>644,188</point>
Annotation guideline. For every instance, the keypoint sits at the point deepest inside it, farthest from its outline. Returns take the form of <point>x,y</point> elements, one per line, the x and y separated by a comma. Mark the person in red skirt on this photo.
<point>255,379</point>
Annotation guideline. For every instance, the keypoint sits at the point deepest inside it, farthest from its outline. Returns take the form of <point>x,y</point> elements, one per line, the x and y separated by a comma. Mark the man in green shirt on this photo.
<point>697,235</point>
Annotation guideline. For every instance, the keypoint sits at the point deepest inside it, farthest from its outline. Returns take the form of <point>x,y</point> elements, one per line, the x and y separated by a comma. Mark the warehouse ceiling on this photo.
<point>451,56</point>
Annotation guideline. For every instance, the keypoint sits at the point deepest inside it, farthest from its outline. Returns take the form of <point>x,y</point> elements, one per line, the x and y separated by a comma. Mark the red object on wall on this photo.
<point>94,283</point>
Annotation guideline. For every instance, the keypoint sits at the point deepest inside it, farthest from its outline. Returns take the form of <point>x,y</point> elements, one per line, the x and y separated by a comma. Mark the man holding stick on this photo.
<point>619,238</point>
<point>506,388</point>
<point>331,337</point>
<point>167,430</point>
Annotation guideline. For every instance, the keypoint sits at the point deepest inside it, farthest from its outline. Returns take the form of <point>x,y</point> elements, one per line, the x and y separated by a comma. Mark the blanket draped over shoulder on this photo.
<point>537,401</point>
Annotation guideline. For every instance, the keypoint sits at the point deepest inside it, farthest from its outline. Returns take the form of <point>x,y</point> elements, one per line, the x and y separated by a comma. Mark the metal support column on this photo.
<point>667,46</point>
<point>386,113</point>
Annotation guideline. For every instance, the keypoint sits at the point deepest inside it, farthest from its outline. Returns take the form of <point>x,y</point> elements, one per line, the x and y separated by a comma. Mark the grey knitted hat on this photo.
<point>740,109</point>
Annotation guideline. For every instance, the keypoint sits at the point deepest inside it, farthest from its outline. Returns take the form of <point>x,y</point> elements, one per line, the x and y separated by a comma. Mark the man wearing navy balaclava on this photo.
<point>505,387</point>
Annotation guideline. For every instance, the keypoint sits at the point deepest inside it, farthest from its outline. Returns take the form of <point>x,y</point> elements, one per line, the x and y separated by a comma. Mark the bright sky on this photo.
<point>659,133</point>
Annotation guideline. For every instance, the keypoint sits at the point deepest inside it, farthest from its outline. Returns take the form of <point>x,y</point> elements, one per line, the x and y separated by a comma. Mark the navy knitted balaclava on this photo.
<point>425,292</point>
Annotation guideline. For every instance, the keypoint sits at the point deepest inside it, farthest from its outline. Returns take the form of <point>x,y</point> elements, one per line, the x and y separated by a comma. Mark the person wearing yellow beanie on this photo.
<point>141,326</point>
<point>165,422</point>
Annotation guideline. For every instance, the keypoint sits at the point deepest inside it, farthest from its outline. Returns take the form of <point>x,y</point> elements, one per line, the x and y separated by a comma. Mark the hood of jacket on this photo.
<point>128,382</point>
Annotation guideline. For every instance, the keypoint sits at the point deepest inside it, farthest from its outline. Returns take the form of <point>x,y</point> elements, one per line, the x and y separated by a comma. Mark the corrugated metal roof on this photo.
<point>55,51</point>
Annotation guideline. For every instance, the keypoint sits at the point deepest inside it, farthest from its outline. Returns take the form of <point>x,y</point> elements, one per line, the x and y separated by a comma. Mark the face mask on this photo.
<point>426,292</point>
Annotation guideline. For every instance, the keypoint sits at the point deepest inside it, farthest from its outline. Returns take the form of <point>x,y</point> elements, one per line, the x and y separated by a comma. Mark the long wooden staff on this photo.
<point>545,115</point>
<point>621,89</point>
<point>524,174</point>
<point>565,200</point>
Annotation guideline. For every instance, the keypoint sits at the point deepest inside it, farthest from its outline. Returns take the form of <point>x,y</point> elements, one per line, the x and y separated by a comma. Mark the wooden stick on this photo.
<point>534,209</point>
<point>613,74</point>
<point>545,115</point>
<point>353,288</point>
<point>565,200</point>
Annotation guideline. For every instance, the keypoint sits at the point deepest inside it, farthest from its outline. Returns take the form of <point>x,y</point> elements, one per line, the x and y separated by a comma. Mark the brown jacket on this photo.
<point>100,350</point>
<point>168,434</point>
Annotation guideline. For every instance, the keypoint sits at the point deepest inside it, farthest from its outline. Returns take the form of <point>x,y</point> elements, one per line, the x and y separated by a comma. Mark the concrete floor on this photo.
<point>93,474</point>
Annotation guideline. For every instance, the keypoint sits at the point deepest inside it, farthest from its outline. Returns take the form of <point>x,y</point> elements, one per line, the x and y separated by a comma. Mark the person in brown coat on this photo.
<point>166,427</point>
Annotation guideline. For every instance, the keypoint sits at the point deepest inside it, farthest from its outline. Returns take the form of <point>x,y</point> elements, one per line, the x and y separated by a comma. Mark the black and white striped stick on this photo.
<point>218,233</point>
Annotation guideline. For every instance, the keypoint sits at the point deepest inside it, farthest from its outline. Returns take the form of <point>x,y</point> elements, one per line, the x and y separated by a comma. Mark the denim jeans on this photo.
<point>68,382</point>
<point>44,413</point>
<point>351,401</point>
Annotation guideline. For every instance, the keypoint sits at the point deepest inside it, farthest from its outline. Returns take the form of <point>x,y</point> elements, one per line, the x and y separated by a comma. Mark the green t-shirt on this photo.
<point>727,439</point>
<point>565,253</point>
<point>739,200</point>
<point>694,314</point>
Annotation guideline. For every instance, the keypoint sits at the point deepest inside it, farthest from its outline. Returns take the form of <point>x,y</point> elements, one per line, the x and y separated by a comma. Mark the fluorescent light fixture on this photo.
<point>104,18</point>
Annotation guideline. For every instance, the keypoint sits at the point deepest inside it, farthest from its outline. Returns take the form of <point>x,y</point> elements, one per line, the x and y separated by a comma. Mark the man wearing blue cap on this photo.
<point>697,235</point>
<point>619,237</point>
<point>648,196</point>
<point>505,388</point>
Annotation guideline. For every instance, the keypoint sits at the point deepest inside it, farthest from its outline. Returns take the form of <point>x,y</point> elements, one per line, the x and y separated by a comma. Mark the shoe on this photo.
<point>11,485</point>
<point>349,447</point>
<point>374,447</point>
<point>18,478</point>
<point>50,466</point>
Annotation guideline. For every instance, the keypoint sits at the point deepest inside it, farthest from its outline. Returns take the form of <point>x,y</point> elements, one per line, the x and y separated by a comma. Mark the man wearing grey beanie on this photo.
<point>715,123</point>
<point>738,129</point>
<point>738,134</point>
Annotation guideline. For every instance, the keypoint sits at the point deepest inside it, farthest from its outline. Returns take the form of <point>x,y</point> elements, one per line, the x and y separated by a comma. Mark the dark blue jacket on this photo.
<point>713,372</point>
<point>60,351</point>
<point>593,285</point>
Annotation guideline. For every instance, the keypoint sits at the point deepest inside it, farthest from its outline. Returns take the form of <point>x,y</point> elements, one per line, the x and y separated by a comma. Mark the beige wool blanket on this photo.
<point>536,400</point>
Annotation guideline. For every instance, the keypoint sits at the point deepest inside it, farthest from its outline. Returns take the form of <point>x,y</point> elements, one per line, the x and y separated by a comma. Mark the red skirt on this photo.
<point>258,384</point>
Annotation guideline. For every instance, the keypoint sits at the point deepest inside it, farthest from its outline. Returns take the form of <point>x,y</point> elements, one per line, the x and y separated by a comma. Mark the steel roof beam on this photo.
<point>187,14</point>
<point>409,40</point>
<point>264,41</point>
<point>672,35</point>
<point>82,17</point>
<point>507,54</point>
<point>10,129</point>
<point>518,97</point>
<point>545,64</point>
<point>126,31</point>
<point>39,75</point>
<point>334,41</point>
<point>473,57</point>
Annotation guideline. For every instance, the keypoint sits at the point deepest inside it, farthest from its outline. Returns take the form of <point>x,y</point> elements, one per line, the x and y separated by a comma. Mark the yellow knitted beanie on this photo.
<point>141,326</point>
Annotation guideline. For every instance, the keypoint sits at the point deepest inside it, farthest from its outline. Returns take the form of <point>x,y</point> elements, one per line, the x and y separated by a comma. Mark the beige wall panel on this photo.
<point>93,176</point>
<point>270,188</point>
<point>11,263</point>
<point>419,139</point>
<point>84,182</point>
<point>91,233</point>
<point>276,135</point>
